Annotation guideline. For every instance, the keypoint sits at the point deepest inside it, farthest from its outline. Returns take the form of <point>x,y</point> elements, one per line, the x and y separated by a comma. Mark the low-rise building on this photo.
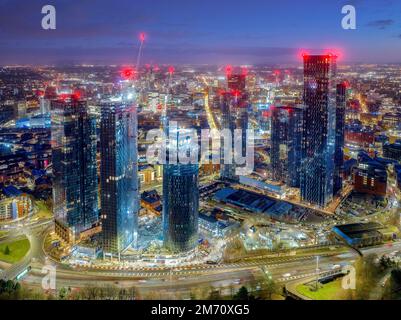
<point>14,204</point>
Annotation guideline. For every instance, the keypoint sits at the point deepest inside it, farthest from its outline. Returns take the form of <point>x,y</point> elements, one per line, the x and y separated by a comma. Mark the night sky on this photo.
<point>197,31</point>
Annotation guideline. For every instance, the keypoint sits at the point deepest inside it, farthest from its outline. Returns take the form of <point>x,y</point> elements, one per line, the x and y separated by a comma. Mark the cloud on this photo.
<point>381,24</point>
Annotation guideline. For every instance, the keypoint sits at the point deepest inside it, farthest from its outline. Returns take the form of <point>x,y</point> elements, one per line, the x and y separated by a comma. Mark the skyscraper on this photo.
<point>339,143</point>
<point>234,110</point>
<point>227,166</point>
<point>319,120</point>
<point>119,175</point>
<point>75,186</point>
<point>236,81</point>
<point>286,135</point>
<point>180,195</point>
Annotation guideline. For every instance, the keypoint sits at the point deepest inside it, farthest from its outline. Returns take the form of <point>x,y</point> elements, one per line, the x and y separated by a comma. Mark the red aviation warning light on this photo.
<point>76,95</point>
<point>142,36</point>
<point>127,73</point>
<point>229,70</point>
<point>244,71</point>
<point>303,54</point>
<point>236,93</point>
<point>171,70</point>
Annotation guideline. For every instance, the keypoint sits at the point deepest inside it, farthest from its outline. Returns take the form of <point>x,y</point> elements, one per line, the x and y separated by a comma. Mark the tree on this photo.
<point>270,287</point>
<point>7,251</point>
<point>214,295</point>
<point>242,294</point>
<point>62,294</point>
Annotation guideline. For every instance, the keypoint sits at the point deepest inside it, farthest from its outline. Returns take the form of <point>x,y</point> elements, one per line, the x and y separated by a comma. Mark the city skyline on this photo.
<point>206,150</point>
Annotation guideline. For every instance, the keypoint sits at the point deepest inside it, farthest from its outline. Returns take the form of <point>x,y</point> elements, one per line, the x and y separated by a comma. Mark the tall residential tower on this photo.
<point>286,136</point>
<point>319,135</point>
<point>75,184</point>
<point>119,175</point>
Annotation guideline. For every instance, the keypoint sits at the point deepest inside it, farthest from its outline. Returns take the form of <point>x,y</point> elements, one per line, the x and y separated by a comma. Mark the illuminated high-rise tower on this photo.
<point>180,193</point>
<point>339,143</point>
<point>286,136</point>
<point>234,110</point>
<point>319,122</point>
<point>227,167</point>
<point>75,186</point>
<point>119,175</point>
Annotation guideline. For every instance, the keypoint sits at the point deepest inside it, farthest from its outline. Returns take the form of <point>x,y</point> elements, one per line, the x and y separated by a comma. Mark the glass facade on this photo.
<point>119,176</point>
<point>180,197</point>
<point>75,184</point>
<point>227,166</point>
<point>319,119</point>
<point>286,135</point>
<point>339,147</point>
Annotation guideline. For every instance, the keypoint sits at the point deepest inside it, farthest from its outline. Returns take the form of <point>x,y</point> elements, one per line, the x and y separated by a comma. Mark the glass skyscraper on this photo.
<point>119,175</point>
<point>339,143</point>
<point>319,121</point>
<point>234,111</point>
<point>227,166</point>
<point>75,184</point>
<point>286,135</point>
<point>180,195</point>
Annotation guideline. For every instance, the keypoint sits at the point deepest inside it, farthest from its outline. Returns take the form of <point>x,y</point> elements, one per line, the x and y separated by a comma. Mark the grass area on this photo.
<point>17,250</point>
<point>3,233</point>
<point>329,291</point>
<point>43,210</point>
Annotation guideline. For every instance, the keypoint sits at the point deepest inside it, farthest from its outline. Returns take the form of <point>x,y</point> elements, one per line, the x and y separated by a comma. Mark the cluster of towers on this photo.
<point>75,171</point>
<point>306,152</point>
<point>308,139</point>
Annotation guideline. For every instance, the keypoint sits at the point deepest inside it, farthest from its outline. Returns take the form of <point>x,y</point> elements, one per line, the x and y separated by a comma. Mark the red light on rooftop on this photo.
<point>127,73</point>
<point>244,71</point>
<point>229,70</point>
<point>63,96</point>
<point>142,37</point>
<point>346,84</point>
<point>236,93</point>
<point>266,114</point>
<point>303,54</point>
<point>76,95</point>
<point>221,92</point>
<point>171,70</point>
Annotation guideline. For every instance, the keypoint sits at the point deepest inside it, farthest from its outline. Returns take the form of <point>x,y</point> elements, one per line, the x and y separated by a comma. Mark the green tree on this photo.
<point>7,251</point>
<point>214,295</point>
<point>62,294</point>
<point>242,294</point>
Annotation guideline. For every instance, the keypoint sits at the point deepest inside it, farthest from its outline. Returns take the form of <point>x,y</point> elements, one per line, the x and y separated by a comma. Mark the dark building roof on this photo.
<point>359,230</point>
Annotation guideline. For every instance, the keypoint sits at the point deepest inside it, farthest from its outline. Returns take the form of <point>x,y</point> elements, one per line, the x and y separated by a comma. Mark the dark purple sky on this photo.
<point>197,31</point>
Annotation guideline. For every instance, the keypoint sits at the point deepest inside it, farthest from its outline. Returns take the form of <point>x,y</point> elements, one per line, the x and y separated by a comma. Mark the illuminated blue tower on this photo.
<point>319,119</point>
<point>119,175</point>
<point>75,186</point>
<point>180,195</point>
